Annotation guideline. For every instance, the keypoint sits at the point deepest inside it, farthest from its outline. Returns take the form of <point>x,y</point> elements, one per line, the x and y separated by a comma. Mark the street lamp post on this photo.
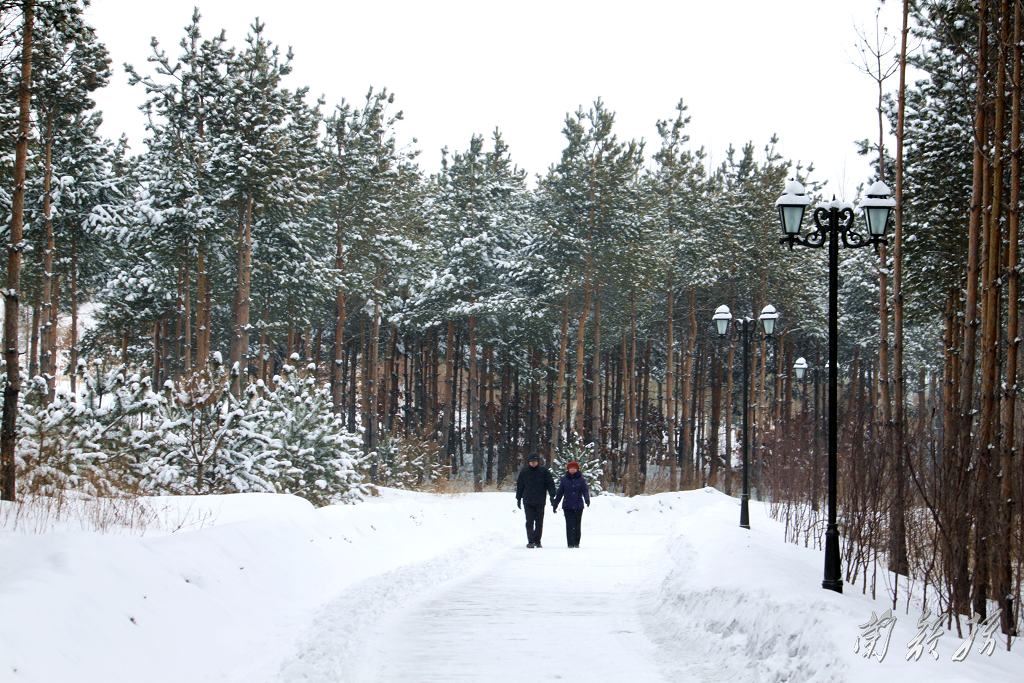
<point>833,222</point>
<point>721,319</point>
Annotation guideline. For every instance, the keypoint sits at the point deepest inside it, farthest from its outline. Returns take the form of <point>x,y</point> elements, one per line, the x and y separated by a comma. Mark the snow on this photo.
<point>415,586</point>
<point>793,194</point>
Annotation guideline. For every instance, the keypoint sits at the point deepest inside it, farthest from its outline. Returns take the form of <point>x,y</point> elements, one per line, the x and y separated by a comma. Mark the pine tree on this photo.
<point>69,64</point>
<point>8,431</point>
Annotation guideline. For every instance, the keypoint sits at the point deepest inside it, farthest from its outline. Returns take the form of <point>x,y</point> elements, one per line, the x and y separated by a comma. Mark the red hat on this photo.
<point>572,464</point>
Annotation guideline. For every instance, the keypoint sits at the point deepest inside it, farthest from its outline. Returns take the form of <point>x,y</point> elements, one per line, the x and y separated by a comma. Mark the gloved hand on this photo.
<point>554,508</point>
<point>519,503</point>
<point>588,504</point>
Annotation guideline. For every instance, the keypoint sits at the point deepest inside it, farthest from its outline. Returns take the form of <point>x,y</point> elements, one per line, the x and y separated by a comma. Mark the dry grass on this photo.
<point>123,514</point>
<point>658,482</point>
<point>35,514</point>
<point>458,487</point>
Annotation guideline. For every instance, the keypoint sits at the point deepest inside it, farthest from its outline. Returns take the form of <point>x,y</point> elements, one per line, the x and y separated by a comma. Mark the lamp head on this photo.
<point>768,317</point>
<point>721,318</point>
<point>792,204</point>
<point>800,367</point>
<point>877,207</point>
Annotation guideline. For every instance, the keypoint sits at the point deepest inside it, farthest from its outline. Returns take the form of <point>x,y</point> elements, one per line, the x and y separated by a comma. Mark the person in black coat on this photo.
<point>533,486</point>
<point>573,489</point>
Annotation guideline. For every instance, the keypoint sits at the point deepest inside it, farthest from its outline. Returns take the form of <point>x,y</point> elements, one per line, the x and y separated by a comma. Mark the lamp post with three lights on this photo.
<point>833,227</point>
<point>722,318</point>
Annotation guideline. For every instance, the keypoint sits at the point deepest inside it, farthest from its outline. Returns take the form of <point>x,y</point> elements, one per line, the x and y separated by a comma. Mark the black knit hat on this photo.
<point>533,456</point>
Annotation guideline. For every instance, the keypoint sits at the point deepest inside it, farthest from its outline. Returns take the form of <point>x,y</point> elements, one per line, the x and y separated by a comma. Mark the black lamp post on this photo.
<point>721,319</point>
<point>833,222</point>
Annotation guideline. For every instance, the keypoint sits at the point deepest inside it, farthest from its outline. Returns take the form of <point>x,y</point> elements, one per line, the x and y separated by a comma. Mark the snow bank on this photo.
<point>753,608</point>
<point>225,601</point>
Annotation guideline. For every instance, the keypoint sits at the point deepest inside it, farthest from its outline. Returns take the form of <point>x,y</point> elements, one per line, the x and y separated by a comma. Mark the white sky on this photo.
<point>746,68</point>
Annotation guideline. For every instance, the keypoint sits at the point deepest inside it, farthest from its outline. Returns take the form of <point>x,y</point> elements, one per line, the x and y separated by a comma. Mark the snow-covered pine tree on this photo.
<point>384,227</point>
<point>70,63</point>
<point>679,188</point>
<point>479,213</point>
<point>308,450</point>
<point>170,228</point>
<point>91,444</point>
<point>263,140</point>
<point>12,290</point>
<point>586,207</point>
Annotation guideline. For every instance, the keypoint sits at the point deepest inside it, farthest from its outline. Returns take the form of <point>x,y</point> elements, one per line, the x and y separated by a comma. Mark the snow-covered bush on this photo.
<point>207,440</point>
<point>193,437</point>
<point>307,450</point>
<point>91,444</point>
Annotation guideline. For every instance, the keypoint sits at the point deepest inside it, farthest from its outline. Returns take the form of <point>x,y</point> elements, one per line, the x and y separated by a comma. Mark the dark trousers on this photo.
<point>534,522</point>
<point>573,520</point>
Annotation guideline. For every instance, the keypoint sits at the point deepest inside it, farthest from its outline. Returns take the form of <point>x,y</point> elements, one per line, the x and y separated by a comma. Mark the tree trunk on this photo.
<point>670,386</point>
<point>240,347</point>
<point>339,326</point>
<point>968,355</point>
<point>204,302</point>
<point>355,348</point>
<point>1003,580</point>
<point>616,398</point>
<point>563,351</point>
<point>899,562</point>
<point>643,412</point>
<point>448,389</point>
<point>157,369</point>
<point>760,420</point>
<point>504,445</point>
<point>536,363</point>
<point>185,317</point>
<point>51,392</point>
<point>581,336</point>
<point>686,419</point>
<point>47,341</point>
<point>264,352</point>
<point>487,411</point>
<point>372,375</point>
<point>595,381</point>
<point>33,346</point>
<point>729,381</point>
<point>473,409</point>
<point>8,433</point>
<point>429,390</point>
<point>388,394</point>
<point>716,413</point>
<point>632,466</point>
<point>73,360</point>
<point>628,455</point>
<point>988,441</point>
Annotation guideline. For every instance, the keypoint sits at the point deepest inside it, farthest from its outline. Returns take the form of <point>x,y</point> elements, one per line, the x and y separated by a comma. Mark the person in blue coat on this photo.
<point>573,494</point>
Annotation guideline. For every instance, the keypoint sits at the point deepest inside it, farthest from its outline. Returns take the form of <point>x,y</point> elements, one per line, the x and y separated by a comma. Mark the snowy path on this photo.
<point>538,615</point>
<point>496,611</point>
